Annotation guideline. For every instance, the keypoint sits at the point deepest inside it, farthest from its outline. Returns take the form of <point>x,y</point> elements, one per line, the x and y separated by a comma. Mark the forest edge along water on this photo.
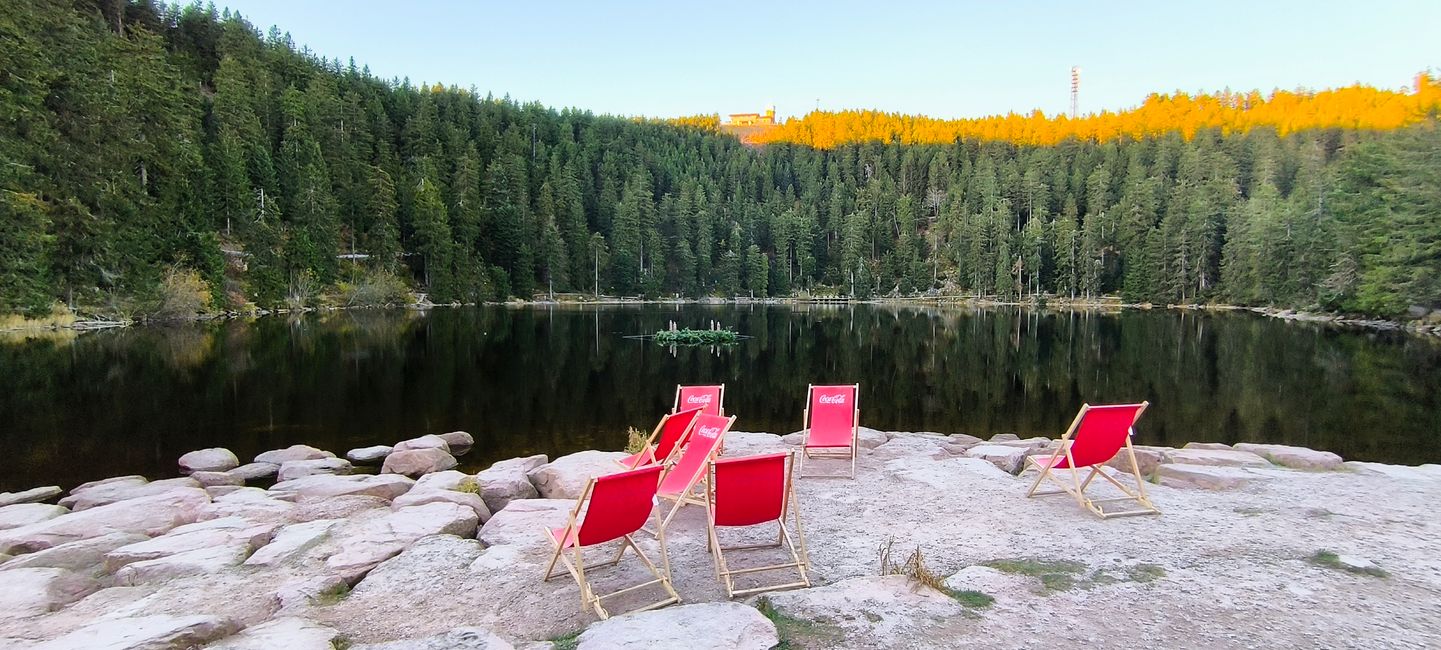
<point>561,378</point>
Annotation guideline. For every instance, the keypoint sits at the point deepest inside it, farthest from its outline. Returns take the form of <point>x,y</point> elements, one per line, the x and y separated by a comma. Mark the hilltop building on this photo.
<point>767,118</point>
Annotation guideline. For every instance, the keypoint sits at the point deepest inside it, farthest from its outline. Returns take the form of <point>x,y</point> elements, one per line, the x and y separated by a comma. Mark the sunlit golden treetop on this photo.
<point>1352,107</point>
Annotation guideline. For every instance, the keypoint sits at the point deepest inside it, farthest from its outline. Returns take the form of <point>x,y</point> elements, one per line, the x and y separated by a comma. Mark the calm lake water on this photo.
<point>560,379</point>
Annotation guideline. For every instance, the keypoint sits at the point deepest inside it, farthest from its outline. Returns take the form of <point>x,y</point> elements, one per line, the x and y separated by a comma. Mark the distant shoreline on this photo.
<point>1425,327</point>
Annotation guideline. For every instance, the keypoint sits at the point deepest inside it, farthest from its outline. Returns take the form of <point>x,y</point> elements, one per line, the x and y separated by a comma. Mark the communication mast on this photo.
<point>1075,91</point>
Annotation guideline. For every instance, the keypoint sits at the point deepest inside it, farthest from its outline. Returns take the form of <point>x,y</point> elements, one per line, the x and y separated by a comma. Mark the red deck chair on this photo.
<point>750,491</point>
<point>832,424</point>
<point>615,506</point>
<point>1096,435</point>
<point>709,398</point>
<point>667,438</point>
<point>680,481</point>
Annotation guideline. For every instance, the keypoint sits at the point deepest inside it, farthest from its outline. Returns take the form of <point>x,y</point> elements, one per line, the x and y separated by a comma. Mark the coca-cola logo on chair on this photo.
<point>699,399</point>
<point>838,398</point>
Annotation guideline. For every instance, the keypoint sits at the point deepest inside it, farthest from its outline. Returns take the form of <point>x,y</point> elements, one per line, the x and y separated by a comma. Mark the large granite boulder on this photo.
<point>210,559</point>
<point>216,479</point>
<point>566,477</point>
<point>368,455</point>
<point>450,486</point>
<point>428,441</point>
<point>83,556</point>
<point>507,480</point>
<point>293,452</point>
<point>214,459</point>
<point>292,541</point>
<point>416,462</point>
<point>149,515</point>
<point>1293,457</point>
<point>226,531</point>
<point>253,471</point>
<point>702,626</point>
<point>458,439</point>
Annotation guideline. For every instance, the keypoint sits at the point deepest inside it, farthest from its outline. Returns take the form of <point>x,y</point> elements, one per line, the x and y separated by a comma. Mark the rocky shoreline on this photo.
<point>1258,546</point>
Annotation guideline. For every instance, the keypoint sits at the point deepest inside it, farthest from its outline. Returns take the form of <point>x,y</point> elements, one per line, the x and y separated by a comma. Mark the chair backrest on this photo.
<point>1101,431</point>
<point>832,415</point>
<point>709,398</point>
<point>620,504</point>
<point>674,430</point>
<point>749,490</point>
<point>705,438</point>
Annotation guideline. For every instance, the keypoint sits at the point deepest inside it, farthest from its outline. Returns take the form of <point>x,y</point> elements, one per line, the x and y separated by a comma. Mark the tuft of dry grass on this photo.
<point>914,567</point>
<point>635,440</point>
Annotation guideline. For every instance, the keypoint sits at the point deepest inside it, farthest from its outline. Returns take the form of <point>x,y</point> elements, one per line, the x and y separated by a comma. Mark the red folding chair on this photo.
<point>667,439</point>
<point>709,398</point>
<point>1096,435</point>
<point>751,491</point>
<point>687,472</point>
<point>832,424</point>
<point>615,506</point>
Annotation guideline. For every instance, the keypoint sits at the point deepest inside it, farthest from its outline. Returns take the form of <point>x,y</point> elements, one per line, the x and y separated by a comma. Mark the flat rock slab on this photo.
<point>873,611</point>
<point>506,481</point>
<point>291,541</point>
<point>1215,457</point>
<point>32,495</point>
<point>285,633</point>
<point>385,486</point>
<point>368,455</point>
<point>293,469</point>
<point>702,626</point>
<point>24,514</point>
<point>208,479</point>
<point>1206,477</point>
<point>214,459</point>
<point>84,556</point>
<point>420,496</point>
<point>205,560</point>
<point>1293,457</point>
<point>293,452</point>
<point>524,522</point>
<point>382,538</point>
<point>227,531</point>
<point>144,633</point>
<point>152,515</point>
<point>565,477</point>
<point>461,638</point>
<point>30,592</point>
<point>108,493</point>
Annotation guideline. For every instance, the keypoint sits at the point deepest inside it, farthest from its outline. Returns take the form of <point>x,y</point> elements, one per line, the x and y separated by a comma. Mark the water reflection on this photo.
<point>558,379</point>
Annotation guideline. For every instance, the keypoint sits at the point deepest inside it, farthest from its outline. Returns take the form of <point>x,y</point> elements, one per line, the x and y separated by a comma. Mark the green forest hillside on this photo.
<point>150,153</point>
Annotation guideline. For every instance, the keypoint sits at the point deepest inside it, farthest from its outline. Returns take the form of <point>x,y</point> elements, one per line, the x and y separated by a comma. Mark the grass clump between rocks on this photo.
<point>468,485</point>
<point>915,568</point>
<point>567,642</point>
<point>795,633</point>
<point>1055,575</point>
<point>333,595</point>
<point>1331,560</point>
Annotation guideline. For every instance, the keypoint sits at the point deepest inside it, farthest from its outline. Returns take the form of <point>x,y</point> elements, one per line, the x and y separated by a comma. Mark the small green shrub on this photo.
<point>375,289</point>
<point>568,642</point>
<point>183,294</point>
<point>635,440</point>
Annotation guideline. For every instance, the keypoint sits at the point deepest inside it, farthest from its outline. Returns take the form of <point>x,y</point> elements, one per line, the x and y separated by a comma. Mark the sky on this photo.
<point>943,59</point>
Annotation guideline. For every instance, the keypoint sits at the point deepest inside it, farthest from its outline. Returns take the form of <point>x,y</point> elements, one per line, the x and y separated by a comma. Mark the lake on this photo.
<point>559,379</point>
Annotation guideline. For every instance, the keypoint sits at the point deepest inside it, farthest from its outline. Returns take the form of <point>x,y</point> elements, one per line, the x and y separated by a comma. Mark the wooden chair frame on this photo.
<point>655,436</point>
<point>1076,487</point>
<point>797,547</point>
<point>576,566</point>
<point>831,452</point>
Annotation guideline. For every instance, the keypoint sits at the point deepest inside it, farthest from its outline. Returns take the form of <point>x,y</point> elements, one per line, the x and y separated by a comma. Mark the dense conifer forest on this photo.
<point>155,152</point>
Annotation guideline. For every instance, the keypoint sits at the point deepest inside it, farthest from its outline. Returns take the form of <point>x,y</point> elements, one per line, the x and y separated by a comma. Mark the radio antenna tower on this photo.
<point>1075,91</point>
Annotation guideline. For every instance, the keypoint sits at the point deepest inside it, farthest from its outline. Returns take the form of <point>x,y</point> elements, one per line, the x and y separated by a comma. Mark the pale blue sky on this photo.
<point>960,59</point>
